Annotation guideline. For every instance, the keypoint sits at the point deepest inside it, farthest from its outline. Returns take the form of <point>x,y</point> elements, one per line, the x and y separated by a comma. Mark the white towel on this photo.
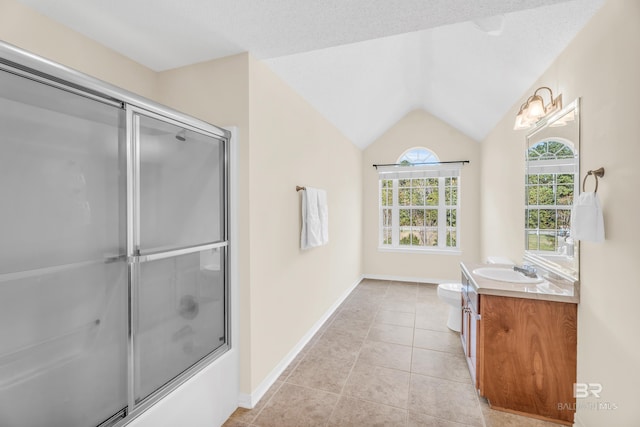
<point>315,218</point>
<point>587,223</point>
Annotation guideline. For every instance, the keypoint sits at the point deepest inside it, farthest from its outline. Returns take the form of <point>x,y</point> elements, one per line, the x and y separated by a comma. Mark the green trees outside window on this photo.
<point>549,195</point>
<point>418,211</point>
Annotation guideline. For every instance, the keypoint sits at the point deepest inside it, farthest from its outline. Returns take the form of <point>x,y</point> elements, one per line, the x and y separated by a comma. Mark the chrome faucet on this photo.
<point>527,270</point>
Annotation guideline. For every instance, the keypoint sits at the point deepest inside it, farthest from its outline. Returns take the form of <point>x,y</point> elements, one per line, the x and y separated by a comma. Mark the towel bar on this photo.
<point>596,173</point>
<point>298,188</point>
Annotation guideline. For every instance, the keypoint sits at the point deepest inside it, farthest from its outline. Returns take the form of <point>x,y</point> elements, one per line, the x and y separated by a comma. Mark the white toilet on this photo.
<point>451,294</point>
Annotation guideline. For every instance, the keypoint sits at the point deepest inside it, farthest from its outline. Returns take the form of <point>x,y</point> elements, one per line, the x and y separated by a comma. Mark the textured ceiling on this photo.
<point>363,64</point>
<point>457,72</point>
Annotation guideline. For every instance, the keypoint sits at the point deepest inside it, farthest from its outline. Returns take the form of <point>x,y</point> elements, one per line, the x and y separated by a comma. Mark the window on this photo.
<point>550,187</point>
<point>419,203</point>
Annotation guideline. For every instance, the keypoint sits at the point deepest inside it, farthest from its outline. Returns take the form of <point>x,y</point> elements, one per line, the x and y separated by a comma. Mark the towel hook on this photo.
<point>596,173</point>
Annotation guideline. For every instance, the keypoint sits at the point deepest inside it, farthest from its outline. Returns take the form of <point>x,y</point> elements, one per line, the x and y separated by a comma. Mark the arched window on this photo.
<point>553,149</point>
<point>550,189</point>
<point>417,155</point>
<point>419,203</point>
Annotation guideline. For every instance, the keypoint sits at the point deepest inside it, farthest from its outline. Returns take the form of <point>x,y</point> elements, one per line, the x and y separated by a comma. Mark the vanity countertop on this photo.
<point>551,289</point>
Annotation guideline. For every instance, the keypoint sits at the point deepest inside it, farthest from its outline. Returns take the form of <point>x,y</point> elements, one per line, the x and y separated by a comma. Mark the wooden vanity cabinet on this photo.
<point>522,354</point>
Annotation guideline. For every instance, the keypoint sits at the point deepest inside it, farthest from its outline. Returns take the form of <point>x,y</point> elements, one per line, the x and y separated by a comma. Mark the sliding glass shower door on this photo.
<point>113,252</point>
<point>63,270</point>
<point>178,240</point>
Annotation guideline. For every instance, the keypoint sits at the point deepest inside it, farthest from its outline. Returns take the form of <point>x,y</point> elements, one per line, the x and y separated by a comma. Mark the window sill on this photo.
<point>426,251</point>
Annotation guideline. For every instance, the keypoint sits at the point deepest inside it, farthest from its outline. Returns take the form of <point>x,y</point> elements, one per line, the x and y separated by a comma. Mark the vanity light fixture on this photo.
<point>534,109</point>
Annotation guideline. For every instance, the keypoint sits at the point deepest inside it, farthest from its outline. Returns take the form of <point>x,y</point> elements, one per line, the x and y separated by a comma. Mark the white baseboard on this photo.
<point>409,279</point>
<point>244,401</point>
<point>248,401</point>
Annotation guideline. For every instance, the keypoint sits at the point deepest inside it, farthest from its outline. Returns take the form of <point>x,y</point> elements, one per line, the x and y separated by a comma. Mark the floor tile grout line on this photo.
<point>341,394</point>
<point>441,378</point>
<point>439,351</point>
<point>360,349</point>
<point>375,402</point>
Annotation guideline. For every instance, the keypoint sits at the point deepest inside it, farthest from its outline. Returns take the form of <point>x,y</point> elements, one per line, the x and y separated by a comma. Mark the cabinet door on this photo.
<point>529,353</point>
<point>472,353</point>
<point>464,330</point>
<point>469,337</point>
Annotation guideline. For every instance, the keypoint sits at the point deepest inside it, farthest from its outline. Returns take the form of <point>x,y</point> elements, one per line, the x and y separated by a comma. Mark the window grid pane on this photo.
<point>431,195</point>
<point>451,191</point>
<point>419,205</point>
<point>404,196</point>
<point>431,217</point>
<point>432,237</point>
<point>417,196</point>
<point>386,218</point>
<point>452,218</point>
<point>451,238</point>
<point>547,213</point>
<point>386,236</point>
<point>419,212</point>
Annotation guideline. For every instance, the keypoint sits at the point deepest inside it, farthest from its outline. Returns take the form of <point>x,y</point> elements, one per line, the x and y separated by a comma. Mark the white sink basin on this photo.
<point>505,275</point>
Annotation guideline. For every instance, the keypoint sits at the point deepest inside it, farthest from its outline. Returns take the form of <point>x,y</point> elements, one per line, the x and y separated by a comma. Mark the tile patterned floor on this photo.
<point>385,358</point>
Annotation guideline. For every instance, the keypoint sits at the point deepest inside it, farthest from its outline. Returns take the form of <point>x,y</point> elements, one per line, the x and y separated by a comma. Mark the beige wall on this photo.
<point>292,144</point>
<point>23,27</point>
<point>601,66</point>
<point>421,129</point>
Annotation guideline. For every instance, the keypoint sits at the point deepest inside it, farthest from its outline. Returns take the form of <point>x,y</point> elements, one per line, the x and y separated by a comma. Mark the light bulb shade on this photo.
<point>535,108</point>
<point>521,122</point>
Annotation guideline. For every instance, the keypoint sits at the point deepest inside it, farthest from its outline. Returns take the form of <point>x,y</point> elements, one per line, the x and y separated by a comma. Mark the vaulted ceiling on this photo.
<point>363,64</point>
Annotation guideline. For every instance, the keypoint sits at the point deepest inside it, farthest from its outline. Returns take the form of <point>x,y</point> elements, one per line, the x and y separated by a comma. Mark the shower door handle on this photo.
<point>177,252</point>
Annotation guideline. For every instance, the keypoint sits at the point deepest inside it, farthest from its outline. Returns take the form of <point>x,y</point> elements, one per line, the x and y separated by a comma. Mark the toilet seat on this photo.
<point>452,289</point>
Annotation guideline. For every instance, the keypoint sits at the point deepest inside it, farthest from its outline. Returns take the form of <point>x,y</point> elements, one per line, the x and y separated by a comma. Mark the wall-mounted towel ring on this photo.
<point>596,173</point>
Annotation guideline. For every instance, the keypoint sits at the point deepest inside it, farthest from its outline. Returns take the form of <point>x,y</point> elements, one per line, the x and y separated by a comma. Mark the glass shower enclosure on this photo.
<point>113,249</point>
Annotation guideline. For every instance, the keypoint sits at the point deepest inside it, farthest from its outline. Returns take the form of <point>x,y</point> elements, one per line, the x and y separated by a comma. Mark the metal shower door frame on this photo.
<point>135,258</point>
